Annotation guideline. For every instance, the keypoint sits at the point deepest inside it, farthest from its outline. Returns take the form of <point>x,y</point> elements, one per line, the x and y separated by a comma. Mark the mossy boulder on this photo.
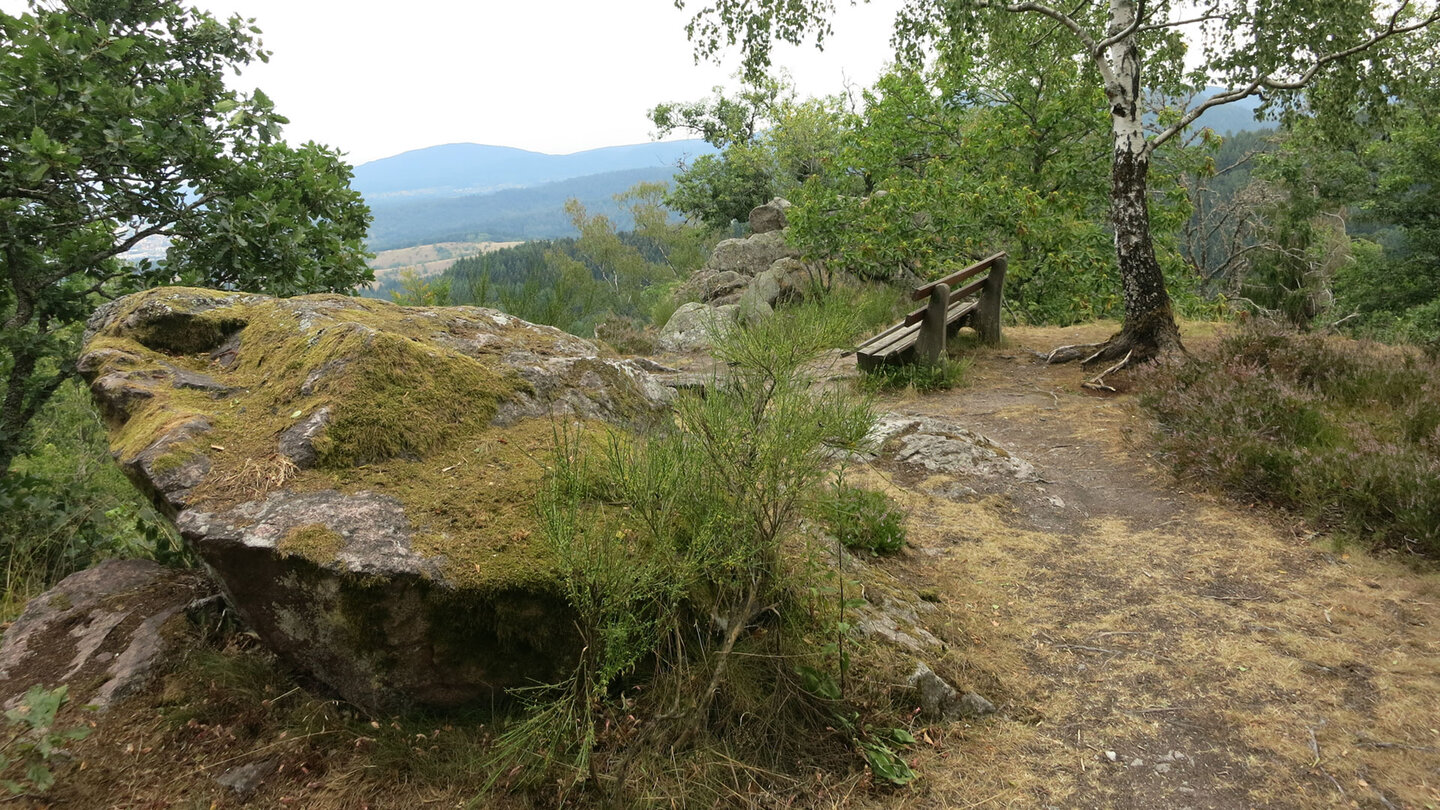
<point>360,477</point>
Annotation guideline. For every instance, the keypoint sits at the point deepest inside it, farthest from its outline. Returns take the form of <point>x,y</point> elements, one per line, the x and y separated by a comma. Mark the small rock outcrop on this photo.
<point>940,445</point>
<point>102,631</point>
<point>693,326</point>
<point>743,279</point>
<point>361,477</point>
<point>770,216</point>
<point>939,701</point>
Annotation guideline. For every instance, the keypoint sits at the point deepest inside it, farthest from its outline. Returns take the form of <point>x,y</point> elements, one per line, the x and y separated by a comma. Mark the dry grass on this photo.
<point>1141,619</point>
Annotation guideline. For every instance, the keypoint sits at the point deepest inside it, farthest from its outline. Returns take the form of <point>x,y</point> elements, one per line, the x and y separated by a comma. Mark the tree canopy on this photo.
<point>1135,55</point>
<point>116,125</point>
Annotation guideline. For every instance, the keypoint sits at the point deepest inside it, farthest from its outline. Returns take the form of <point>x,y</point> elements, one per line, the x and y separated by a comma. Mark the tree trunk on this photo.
<point>1149,327</point>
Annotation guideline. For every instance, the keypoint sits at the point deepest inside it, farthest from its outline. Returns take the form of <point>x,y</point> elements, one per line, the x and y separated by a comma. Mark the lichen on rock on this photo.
<point>325,454</point>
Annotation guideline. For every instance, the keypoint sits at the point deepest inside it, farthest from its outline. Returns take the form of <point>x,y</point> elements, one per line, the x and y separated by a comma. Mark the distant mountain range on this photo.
<point>473,192</point>
<point>537,212</point>
<point>467,192</point>
<point>459,169</point>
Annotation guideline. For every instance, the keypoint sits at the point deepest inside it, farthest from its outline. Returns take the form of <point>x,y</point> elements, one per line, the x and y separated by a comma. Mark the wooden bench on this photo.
<point>921,336</point>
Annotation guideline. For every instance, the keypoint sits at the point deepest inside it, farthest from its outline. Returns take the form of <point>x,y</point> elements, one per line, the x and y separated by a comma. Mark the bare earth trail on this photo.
<point>1150,646</point>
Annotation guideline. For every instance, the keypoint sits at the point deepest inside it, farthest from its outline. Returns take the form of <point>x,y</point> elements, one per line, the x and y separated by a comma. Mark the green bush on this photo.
<point>30,743</point>
<point>1347,432</point>
<point>66,504</point>
<point>863,519</point>
<point>680,552</point>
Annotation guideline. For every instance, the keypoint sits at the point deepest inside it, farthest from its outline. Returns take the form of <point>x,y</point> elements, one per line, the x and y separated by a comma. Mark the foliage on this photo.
<point>31,742</point>
<point>416,290</point>
<point>116,125</point>
<point>604,275</point>
<point>1348,433</point>
<point>770,141</point>
<point>863,519</point>
<point>1127,62</point>
<point>676,549</point>
<point>66,505</point>
<point>959,164</point>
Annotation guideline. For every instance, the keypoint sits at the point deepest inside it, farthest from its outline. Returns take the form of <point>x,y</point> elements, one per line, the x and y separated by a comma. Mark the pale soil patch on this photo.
<point>1224,656</point>
<point>430,260</point>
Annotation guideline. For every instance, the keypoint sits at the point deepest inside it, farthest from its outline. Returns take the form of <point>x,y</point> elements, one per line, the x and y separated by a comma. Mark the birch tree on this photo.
<point>1337,50</point>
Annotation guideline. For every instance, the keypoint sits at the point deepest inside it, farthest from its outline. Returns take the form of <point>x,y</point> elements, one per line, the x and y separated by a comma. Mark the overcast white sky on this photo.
<point>378,78</point>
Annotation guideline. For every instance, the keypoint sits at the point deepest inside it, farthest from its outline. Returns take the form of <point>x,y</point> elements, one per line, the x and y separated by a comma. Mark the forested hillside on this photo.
<point>537,212</point>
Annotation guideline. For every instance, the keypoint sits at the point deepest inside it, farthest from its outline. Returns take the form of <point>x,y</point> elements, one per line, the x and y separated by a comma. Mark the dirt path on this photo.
<point>1153,647</point>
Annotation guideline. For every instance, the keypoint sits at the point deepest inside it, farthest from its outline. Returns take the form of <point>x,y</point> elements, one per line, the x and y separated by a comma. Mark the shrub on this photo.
<point>680,552</point>
<point>66,506</point>
<point>626,335</point>
<point>1347,432</point>
<point>863,519</point>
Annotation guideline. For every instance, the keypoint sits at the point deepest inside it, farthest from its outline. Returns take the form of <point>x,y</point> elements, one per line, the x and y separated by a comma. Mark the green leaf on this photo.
<point>118,48</point>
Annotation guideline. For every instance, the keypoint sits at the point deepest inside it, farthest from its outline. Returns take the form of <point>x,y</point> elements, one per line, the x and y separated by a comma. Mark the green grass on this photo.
<point>922,378</point>
<point>863,519</point>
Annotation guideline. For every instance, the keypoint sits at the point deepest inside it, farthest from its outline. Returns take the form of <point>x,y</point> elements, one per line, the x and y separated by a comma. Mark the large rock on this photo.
<point>105,632</point>
<point>694,326</point>
<point>750,256</point>
<point>716,288</point>
<point>770,216</point>
<point>361,477</point>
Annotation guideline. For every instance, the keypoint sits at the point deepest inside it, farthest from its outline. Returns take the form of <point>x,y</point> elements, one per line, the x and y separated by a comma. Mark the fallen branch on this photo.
<point>1429,749</point>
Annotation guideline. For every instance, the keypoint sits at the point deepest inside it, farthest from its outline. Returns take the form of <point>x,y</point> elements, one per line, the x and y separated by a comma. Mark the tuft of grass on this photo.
<point>923,378</point>
<point>682,554</point>
<point>863,519</point>
<point>1345,432</point>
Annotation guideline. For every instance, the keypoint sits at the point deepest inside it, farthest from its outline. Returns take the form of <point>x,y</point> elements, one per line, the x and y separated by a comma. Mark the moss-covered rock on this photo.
<point>360,476</point>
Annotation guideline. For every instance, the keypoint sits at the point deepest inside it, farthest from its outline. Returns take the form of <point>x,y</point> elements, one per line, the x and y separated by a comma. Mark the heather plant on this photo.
<point>1345,432</point>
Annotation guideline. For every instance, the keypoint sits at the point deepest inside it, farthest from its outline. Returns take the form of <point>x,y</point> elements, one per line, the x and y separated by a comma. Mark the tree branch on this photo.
<point>1392,28</point>
<point>1085,37</point>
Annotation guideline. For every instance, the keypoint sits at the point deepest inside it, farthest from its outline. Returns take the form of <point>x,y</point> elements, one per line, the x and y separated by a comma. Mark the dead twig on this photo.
<point>1429,749</point>
<point>1315,749</point>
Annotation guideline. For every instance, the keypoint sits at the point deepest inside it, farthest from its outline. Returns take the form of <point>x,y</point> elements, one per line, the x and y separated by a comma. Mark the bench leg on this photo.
<point>930,345</point>
<point>987,314</point>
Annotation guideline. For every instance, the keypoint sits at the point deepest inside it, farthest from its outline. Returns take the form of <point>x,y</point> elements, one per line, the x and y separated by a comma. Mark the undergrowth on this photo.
<point>1345,432</point>
<point>706,670</point>
<point>66,505</point>
<point>863,519</point>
